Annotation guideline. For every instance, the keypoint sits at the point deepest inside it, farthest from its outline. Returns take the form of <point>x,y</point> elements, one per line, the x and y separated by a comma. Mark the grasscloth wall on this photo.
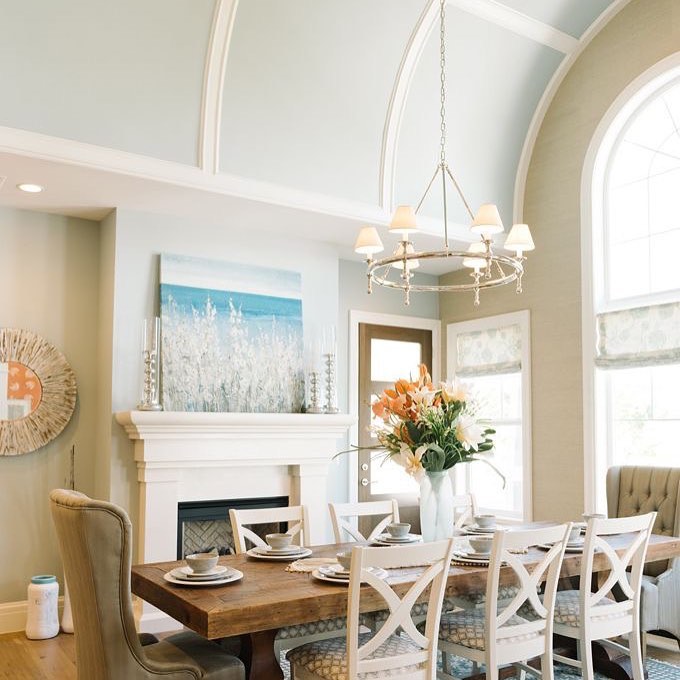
<point>643,33</point>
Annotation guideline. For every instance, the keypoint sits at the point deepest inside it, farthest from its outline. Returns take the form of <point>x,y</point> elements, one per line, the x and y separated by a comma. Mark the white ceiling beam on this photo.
<point>521,24</point>
<point>216,58</point>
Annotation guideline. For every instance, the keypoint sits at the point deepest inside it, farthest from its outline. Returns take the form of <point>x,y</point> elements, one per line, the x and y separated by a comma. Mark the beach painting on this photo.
<point>231,337</point>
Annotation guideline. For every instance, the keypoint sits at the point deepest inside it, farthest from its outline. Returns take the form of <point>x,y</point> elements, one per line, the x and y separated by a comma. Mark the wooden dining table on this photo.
<point>269,597</point>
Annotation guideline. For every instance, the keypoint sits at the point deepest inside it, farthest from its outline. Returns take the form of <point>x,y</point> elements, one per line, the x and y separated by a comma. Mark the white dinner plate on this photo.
<point>186,573</point>
<point>231,576</point>
<point>263,554</point>
<point>469,562</point>
<point>386,539</point>
<point>380,573</point>
<point>473,557</point>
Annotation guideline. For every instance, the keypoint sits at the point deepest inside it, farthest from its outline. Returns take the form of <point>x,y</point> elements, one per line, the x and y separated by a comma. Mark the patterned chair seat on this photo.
<point>477,597</point>
<point>328,658</point>
<point>466,628</point>
<point>338,624</point>
<point>568,608</point>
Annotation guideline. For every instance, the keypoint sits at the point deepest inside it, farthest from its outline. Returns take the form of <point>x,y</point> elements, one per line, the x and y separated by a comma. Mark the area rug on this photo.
<point>461,668</point>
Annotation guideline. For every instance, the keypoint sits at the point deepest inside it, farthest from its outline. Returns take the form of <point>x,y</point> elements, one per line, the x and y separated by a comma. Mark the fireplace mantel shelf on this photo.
<point>190,425</point>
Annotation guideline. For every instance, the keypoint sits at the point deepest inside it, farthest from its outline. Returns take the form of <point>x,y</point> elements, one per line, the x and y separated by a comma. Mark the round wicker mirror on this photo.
<point>37,392</point>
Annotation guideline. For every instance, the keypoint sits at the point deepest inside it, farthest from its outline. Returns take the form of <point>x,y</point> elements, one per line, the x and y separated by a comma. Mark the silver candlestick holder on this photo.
<point>314,392</point>
<point>331,405</point>
<point>150,346</point>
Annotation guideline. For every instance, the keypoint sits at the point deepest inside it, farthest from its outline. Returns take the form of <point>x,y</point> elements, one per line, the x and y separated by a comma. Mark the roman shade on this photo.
<point>489,352</point>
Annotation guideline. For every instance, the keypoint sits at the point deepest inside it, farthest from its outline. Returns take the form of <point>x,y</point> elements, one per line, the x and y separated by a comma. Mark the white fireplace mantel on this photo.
<point>212,456</point>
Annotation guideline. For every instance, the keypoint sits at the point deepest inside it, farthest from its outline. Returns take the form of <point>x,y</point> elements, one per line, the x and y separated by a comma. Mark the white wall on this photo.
<point>48,284</point>
<point>139,240</point>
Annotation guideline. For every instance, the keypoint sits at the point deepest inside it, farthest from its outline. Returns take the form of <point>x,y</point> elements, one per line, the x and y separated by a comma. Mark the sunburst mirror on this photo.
<point>37,392</point>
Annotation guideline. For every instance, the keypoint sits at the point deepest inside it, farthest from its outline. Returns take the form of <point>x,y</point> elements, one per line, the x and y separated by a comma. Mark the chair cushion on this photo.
<point>208,659</point>
<point>568,608</point>
<point>338,624</point>
<point>328,658</point>
<point>466,628</point>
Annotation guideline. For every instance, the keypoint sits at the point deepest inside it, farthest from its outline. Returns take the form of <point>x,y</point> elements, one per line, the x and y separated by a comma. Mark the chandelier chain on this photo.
<point>442,76</point>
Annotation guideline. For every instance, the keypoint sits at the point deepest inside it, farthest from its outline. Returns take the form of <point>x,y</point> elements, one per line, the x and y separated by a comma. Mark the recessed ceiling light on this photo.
<point>30,188</point>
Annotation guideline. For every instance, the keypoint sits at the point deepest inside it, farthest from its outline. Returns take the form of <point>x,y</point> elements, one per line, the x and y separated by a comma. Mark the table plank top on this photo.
<point>269,597</point>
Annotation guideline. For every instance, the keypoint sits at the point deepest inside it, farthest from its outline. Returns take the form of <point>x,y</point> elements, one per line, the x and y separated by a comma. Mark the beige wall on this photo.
<point>643,33</point>
<point>48,284</point>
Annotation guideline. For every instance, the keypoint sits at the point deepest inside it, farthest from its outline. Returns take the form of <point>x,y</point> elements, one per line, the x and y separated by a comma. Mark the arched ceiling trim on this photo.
<point>488,10</point>
<point>213,84</point>
<point>546,100</point>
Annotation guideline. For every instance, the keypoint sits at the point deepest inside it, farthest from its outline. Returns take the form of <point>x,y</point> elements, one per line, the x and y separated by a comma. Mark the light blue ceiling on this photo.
<point>126,75</point>
<point>494,81</point>
<point>307,89</point>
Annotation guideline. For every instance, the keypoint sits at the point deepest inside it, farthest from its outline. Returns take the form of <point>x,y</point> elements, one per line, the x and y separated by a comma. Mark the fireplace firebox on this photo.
<point>203,525</point>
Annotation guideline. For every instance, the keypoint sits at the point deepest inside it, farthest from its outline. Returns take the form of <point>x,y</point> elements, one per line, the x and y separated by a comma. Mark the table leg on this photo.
<point>257,654</point>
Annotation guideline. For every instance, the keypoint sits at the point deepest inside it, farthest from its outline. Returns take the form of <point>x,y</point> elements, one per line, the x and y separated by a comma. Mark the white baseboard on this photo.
<point>13,615</point>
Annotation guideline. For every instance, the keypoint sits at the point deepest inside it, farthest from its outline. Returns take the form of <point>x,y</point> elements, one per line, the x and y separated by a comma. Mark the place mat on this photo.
<point>308,565</point>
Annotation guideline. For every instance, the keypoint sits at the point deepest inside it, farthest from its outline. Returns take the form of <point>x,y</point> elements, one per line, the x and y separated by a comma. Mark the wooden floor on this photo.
<point>54,659</point>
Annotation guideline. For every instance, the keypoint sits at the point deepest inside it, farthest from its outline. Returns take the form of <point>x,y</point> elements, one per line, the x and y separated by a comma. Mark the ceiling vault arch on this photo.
<point>216,59</point>
<point>488,10</point>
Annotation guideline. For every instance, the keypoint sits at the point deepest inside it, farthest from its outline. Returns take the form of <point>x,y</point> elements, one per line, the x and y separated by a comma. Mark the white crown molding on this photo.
<point>521,24</point>
<point>546,99</point>
<point>213,84</point>
<point>489,10</point>
<point>58,150</point>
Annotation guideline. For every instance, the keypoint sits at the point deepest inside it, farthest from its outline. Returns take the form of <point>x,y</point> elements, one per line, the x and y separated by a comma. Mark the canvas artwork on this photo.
<point>231,337</point>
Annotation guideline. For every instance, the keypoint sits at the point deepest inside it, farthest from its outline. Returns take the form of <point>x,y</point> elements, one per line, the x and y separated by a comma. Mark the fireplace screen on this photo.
<point>204,525</point>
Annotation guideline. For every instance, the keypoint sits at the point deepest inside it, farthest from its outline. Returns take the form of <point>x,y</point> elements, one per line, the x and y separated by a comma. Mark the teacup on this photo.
<point>202,562</point>
<point>485,521</point>
<point>398,529</point>
<point>344,559</point>
<point>574,534</point>
<point>279,541</point>
<point>480,544</point>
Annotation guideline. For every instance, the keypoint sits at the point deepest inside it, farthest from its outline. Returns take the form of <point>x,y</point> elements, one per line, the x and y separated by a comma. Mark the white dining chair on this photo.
<point>297,515</point>
<point>343,513</point>
<point>241,520</point>
<point>586,616</point>
<point>497,635</point>
<point>398,647</point>
<point>464,509</point>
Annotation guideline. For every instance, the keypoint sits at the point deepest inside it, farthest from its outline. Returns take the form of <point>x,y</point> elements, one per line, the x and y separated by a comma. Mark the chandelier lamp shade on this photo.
<point>489,269</point>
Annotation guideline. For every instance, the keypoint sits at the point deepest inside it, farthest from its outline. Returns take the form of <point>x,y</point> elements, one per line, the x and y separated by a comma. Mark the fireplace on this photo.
<point>204,525</point>
<point>192,457</point>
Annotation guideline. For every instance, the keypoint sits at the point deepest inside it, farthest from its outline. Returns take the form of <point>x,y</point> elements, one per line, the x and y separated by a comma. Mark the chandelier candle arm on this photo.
<point>489,269</point>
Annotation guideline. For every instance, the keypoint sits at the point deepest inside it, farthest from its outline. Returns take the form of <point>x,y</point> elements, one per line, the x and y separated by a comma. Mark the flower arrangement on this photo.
<point>425,429</point>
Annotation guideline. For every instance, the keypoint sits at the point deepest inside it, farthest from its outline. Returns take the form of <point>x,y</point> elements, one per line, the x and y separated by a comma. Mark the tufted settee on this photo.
<point>635,490</point>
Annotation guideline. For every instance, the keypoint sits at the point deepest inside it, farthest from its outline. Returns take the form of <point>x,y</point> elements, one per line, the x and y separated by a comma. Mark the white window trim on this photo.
<point>523,320</point>
<point>592,251</point>
<point>355,318</point>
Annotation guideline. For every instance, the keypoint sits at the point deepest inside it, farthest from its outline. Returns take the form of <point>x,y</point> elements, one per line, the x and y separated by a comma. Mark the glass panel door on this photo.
<point>386,354</point>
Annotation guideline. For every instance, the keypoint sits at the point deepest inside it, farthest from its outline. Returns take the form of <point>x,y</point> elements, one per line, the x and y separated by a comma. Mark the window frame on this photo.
<point>632,98</point>
<point>523,320</point>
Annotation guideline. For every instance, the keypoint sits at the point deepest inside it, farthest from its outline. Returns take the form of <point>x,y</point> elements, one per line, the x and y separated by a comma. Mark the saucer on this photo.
<point>386,539</point>
<point>462,557</point>
<point>190,575</point>
<point>474,529</point>
<point>281,551</point>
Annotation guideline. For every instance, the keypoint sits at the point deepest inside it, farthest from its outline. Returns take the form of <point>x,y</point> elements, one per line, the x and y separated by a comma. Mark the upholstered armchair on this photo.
<point>95,539</point>
<point>637,490</point>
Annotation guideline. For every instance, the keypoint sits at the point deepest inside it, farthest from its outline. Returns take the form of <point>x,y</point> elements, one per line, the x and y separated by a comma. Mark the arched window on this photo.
<point>636,277</point>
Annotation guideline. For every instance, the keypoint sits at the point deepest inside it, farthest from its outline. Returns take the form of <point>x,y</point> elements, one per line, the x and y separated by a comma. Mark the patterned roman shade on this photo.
<point>489,352</point>
<point>642,336</point>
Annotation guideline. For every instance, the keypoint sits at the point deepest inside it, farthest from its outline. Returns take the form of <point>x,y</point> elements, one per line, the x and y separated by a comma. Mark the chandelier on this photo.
<point>489,269</point>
